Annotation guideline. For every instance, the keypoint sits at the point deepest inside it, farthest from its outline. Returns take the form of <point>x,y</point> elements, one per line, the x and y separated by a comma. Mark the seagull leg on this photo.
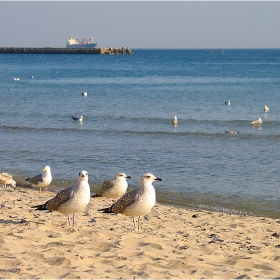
<point>73,219</point>
<point>138,222</point>
<point>68,217</point>
<point>134,222</point>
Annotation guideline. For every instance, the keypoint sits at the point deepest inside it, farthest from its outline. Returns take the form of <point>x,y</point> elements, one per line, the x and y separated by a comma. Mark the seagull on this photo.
<point>84,93</point>
<point>175,121</point>
<point>16,79</point>
<point>31,77</point>
<point>114,188</point>
<point>259,121</point>
<point>7,179</point>
<point>80,119</point>
<point>42,180</point>
<point>227,102</point>
<point>71,200</point>
<point>137,202</point>
<point>266,108</point>
<point>232,132</point>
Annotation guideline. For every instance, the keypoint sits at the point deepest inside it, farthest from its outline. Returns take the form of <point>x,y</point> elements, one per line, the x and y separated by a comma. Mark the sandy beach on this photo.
<point>173,242</point>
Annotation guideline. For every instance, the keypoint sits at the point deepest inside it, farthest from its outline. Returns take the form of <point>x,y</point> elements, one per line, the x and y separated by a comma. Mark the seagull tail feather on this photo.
<point>106,210</point>
<point>39,207</point>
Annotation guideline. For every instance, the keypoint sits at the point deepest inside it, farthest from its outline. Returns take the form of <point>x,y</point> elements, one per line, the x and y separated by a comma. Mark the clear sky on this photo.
<point>142,24</point>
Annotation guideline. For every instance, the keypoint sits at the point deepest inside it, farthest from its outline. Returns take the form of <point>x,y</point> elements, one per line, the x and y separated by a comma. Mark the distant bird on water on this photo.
<point>71,200</point>
<point>258,121</point>
<point>137,202</point>
<point>84,93</point>
<point>227,102</point>
<point>7,179</point>
<point>80,119</point>
<point>42,180</point>
<point>175,120</point>
<point>232,132</point>
<point>114,188</point>
<point>266,108</point>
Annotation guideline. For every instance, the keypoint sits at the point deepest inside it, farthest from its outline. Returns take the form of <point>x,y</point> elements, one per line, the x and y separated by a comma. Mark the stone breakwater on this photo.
<point>49,50</point>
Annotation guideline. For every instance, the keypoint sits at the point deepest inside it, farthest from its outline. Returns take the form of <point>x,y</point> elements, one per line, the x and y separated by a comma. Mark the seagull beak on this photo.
<point>158,179</point>
<point>128,177</point>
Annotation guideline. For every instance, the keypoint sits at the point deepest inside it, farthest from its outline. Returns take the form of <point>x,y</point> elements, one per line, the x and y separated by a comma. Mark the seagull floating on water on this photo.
<point>232,132</point>
<point>175,121</point>
<point>42,180</point>
<point>71,200</point>
<point>137,202</point>
<point>227,102</point>
<point>114,188</point>
<point>16,79</point>
<point>258,121</point>
<point>84,93</point>
<point>7,179</point>
<point>80,119</point>
<point>266,108</point>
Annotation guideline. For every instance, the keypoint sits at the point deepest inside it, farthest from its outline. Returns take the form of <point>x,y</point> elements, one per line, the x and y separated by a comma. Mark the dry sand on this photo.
<point>173,242</point>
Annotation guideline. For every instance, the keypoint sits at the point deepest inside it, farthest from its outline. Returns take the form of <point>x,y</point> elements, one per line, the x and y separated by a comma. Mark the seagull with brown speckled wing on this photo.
<point>114,188</point>
<point>137,202</point>
<point>71,200</point>
<point>7,179</point>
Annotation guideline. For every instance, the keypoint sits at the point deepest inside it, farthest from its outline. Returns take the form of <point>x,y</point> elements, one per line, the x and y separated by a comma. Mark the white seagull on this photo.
<point>42,180</point>
<point>227,102</point>
<point>84,93</point>
<point>258,121</point>
<point>114,188</point>
<point>175,120</point>
<point>71,200</point>
<point>7,179</point>
<point>80,119</point>
<point>137,202</point>
<point>266,108</point>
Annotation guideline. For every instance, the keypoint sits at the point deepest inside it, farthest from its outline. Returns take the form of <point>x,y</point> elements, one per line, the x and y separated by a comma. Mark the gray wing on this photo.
<point>126,200</point>
<point>106,186</point>
<point>36,179</point>
<point>61,197</point>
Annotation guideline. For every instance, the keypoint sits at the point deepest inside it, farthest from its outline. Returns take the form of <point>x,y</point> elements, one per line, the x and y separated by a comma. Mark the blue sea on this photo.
<point>127,124</point>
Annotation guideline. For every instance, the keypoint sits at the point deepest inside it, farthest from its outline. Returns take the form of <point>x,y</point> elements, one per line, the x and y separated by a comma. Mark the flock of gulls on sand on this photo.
<point>135,203</point>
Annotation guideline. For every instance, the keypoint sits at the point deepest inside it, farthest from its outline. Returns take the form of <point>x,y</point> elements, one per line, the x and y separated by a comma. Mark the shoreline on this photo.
<point>173,242</point>
<point>239,206</point>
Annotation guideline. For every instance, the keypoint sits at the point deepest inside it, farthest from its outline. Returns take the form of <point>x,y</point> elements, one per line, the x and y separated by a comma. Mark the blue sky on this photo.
<point>142,24</point>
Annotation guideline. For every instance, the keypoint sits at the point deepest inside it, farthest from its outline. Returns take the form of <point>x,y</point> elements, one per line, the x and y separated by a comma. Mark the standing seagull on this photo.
<point>71,200</point>
<point>42,180</point>
<point>7,179</point>
<point>138,202</point>
<point>114,188</point>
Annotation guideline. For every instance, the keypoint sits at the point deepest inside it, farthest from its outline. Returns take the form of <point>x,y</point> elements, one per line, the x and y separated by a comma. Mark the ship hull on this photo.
<point>82,46</point>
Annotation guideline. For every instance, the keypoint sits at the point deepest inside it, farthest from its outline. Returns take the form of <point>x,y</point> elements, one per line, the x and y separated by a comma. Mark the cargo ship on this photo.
<point>74,43</point>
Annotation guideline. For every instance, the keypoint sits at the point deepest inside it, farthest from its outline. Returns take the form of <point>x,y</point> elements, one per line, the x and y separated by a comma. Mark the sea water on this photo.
<point>127,124</point>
